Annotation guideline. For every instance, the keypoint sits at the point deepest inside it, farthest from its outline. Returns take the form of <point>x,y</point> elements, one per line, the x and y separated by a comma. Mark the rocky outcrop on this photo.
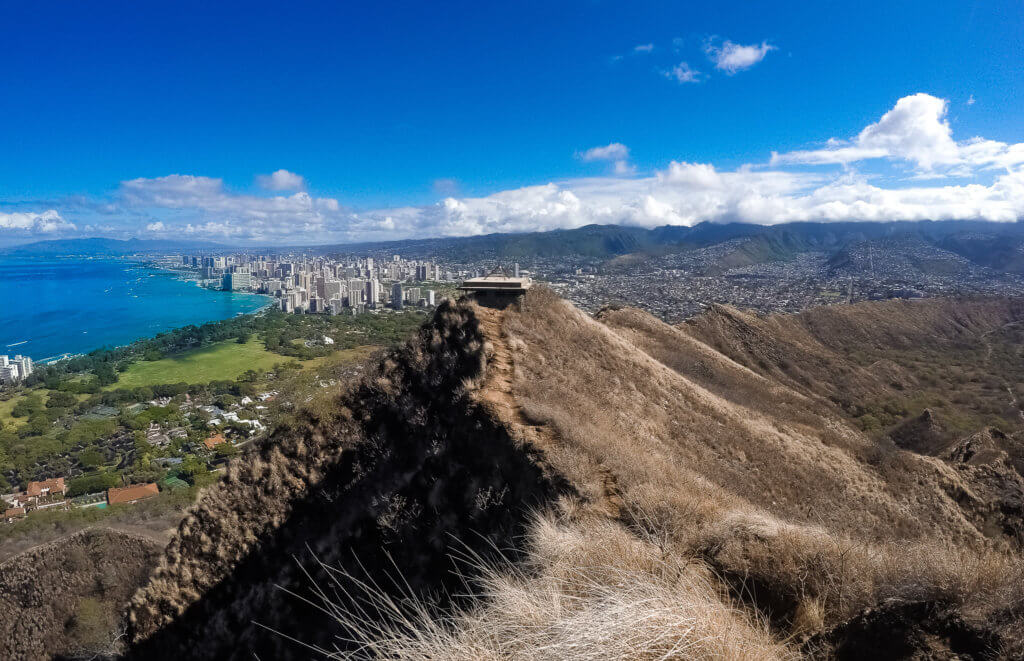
<point>398,474</point>
<point>923,434</point>
<point>899,629</point>
<point>994,494</point>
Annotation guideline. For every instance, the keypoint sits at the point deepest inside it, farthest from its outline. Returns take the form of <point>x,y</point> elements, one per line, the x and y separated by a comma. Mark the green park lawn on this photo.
<point>223,361</point>
<point>5,411</point>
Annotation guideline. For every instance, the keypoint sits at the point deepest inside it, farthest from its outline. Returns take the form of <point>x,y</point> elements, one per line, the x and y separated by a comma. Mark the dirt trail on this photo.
<point>497,395</point>
<point>988,357</point>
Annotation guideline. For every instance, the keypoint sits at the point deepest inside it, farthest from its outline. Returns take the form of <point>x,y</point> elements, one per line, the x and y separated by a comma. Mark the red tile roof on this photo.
<point>216,439</point>
<point>54,485</point>
<point>13,512</point>
<point>130,494</point>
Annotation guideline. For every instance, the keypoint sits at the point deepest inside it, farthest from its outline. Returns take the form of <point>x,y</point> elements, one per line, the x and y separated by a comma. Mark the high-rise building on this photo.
<point>24,364</point>
<point>396,296</point>
<point>13,370</point>
<point>9,374</point>
<point>372,294</point>
<point>333,289</point>
<point>236,281</point>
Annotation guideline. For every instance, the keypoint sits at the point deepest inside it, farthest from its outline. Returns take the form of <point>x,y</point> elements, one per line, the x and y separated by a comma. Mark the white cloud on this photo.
<point>731,57</point>
<point>970,100</point>
<point>623,168</point>
<point>915,130</point>
<point>689,193</point>
<point>281,180</point>
<point>31,222</point>
<point>643,48</point>
<point>228,214</point>
<point>683,73</point>
<point>616,152</point>
<point>613,152</point>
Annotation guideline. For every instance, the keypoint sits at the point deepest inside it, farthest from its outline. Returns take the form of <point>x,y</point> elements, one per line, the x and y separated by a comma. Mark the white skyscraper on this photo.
<point>372,296</point>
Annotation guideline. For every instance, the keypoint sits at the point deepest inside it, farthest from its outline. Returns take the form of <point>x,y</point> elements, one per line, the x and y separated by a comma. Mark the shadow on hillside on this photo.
<point>430,475</point>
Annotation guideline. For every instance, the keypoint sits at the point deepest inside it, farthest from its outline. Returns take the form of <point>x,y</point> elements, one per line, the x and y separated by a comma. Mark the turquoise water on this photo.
<point>50,307</point>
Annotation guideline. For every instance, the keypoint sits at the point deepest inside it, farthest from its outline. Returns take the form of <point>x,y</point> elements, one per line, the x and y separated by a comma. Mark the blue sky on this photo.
<point>419,119</point>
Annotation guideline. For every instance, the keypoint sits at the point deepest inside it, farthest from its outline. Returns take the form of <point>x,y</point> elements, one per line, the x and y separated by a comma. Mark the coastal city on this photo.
<point>139,424</point>
<point>323,285</point>
<point>168,435</point>
<point>680,285</point>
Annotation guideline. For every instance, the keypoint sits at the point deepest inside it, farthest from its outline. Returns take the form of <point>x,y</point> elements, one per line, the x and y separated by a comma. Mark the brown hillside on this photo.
<point>397,473</point>
<point>61,598</point>
<point>696,492</point>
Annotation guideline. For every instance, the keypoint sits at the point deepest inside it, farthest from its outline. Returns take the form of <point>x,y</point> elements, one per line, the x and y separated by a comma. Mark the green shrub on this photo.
<point>93,483</point>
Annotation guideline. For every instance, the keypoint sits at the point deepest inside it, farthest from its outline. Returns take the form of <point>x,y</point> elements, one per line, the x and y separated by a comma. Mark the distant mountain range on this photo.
<point>996,245</point>
<point>102,246</point>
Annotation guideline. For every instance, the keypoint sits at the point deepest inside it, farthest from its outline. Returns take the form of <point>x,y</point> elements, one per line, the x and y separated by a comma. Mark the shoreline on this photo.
<point>148,264</point>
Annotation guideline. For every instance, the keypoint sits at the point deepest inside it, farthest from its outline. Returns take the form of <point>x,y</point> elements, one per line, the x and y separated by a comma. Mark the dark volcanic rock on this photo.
<point>923,434</point>
<point>899,629</point>
<point>994,500</point>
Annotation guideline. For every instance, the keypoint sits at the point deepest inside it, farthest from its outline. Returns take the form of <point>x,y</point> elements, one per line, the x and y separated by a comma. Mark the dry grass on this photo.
<point>67,597</point>
<point>588,591</point>
<point>713,507</point>
<point>667,439</point>
<point>805,519</point>
<point>806,569</point>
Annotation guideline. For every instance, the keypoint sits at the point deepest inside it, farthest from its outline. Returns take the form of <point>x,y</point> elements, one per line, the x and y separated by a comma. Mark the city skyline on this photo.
<point>345,127</point>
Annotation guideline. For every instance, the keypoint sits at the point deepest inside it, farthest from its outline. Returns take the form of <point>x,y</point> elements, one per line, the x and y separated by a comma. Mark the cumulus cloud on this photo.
<point>689,193</point>
<point>915,130</point>
<point>31,222</point>
<point>616,152</point>
<point>212,209</point>
<point>281,180</point>
<point>731,57</point>
<point>643,48</point>
<point>683,73</point>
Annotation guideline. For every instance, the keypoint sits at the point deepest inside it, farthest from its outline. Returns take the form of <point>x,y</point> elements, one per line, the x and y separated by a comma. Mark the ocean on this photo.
<point>54,306</point>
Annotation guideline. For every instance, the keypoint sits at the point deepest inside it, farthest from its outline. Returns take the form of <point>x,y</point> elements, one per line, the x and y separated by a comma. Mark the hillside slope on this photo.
<point>536,483</point>
<point>60,598</point>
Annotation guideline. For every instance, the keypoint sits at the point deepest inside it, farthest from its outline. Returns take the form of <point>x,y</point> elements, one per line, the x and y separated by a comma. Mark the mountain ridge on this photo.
<point>994,245</point>
<point>646,450</point>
